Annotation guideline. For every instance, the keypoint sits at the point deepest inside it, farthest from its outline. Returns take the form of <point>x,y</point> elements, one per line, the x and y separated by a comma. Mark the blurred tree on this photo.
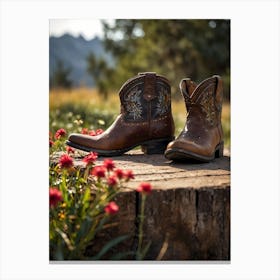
<point>60,78</point>
<point>100,73</point>
<point>174,48</point>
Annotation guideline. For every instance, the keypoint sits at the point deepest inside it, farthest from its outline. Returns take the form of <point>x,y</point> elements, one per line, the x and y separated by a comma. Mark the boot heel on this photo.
<point>155,146</point>
<point>220,150</point>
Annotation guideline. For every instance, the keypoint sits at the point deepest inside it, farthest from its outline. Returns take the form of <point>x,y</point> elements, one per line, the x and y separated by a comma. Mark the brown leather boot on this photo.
<point>202,136</point>
<point>145,120</point>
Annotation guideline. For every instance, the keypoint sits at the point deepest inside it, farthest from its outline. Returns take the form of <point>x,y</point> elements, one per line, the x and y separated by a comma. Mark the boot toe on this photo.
<point>182,148</point>
<point>76,138</point>
<point>81,140</point>
<point>189,146</point>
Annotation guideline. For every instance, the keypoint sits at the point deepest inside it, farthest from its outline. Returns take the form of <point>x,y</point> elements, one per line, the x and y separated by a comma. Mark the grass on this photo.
<point>85,97</point>
<point>84,107</point>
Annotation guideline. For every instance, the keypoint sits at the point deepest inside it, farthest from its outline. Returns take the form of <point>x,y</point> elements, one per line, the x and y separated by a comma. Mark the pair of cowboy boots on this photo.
<point>146,120</point>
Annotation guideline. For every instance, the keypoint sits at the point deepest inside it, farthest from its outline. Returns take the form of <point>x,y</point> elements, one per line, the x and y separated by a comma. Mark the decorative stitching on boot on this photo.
<point>163,101</point>
<point>142,123</point>
<point>159,119</point>
<point>208,106</point>
<point>125,123</point>
<point>162,104</point>
<point>138,98</point>
<point>133,103</point>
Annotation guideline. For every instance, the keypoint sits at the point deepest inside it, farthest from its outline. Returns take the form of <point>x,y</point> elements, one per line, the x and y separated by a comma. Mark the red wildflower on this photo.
<point>60,133</point>
<point>112,181</point>
<point>128,174</point>
<point>51,143</point>
<point>90,158</point>
<point>92,133</point>
<point>99,131</point>
<point>109,164</point>
<point>144,187</point>
<point>98,171</point>
<point>119,173</point>
<point>65,161</point>
<point>111,208</point>
<point>55,196</point>
<point>70,150</point>
<point>84,130</point>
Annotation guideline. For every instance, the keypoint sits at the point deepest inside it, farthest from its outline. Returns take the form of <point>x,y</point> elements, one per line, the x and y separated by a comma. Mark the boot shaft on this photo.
<point>204,101</point>
<point>145,98</point>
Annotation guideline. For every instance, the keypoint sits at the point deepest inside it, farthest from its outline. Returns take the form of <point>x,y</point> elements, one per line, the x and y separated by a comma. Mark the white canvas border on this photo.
<point>255,138</point>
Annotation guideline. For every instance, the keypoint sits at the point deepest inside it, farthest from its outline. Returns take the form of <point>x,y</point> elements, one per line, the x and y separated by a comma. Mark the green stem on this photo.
<point>140,236</point>
<point>87,172</point>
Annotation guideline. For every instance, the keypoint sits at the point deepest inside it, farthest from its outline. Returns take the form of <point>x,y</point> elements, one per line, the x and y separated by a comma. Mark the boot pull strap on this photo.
<point>183,88</point>
<point>145,73</point>
<point>187,87</point>
<point>150,79</point>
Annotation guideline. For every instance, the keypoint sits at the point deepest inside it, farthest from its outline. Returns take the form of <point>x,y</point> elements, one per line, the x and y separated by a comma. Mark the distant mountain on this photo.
<point>73,52</point>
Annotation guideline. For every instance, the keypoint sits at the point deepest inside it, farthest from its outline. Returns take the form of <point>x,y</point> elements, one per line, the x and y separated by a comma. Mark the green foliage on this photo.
<point>174,48</point>
<point>100,72</point>
<point>74,116</point>
<point>61,77</point>
<point>79,213</point>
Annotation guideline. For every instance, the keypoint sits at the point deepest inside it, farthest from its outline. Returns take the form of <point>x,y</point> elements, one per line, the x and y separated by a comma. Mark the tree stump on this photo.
<point>187,215</point>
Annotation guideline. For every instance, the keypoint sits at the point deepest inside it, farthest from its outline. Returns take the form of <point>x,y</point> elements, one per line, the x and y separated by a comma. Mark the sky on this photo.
<point>88,28</point>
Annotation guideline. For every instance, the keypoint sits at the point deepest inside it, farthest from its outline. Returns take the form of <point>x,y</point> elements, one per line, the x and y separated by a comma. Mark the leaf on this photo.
<point>101,224</point>
<point>141,255</point>
<point>63,188</point>
<point>109,245</point>
<point>86,196</point>
<point>145,250</point>
<point>85,201</point>
<point>59,254</point>
<point>85,227</point>
<point>94,228</point>
<point>65,239</point>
